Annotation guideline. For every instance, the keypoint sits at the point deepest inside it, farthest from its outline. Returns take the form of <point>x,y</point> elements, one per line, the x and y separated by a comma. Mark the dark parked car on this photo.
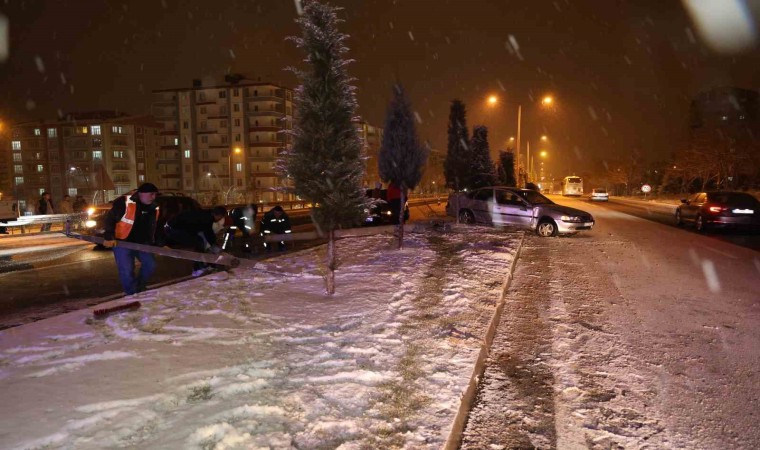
<point>381,213</point>
<point>169,206</point>
<point>720,209</point>
<point>525,208</point>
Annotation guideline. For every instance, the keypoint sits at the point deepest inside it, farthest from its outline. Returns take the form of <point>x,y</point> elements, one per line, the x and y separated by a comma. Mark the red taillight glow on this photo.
<point>717,209</point>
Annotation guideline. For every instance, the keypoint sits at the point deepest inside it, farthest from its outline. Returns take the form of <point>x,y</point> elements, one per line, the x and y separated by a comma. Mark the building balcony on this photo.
<point>265,144</point>
<point>207,131</point>
<point>265,113</point>
<point>169,147</point>
<point>274,129</point>
<point>169,133</point>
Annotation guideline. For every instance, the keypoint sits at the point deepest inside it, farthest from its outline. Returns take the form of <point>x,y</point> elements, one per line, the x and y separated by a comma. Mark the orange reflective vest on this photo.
<point>124,227</point>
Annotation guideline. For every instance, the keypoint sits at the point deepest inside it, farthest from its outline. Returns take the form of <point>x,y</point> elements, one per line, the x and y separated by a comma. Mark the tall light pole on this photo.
<point>546,101</point>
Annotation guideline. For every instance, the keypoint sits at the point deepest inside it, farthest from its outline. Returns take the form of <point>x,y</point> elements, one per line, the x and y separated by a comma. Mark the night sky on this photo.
<point>622,72</point>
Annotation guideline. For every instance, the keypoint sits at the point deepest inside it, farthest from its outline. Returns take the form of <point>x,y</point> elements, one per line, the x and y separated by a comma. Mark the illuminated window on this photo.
<point>187,153</point>
<point>84,130</point>
<point>18,168</point>
<point>40,168</point>
<point>97,155</point>
<point>52,132</point>
<point>37,132</point>
<point>16,145</point>
<point>141,178</point>
<point>17,157</point>
<point>72,191</point>
<point>239,167</point>
<point>176,141</point>
<point>19,180</point>
<point>95,130</point>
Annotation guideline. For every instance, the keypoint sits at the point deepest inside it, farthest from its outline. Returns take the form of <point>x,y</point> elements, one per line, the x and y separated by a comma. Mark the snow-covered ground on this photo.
<point>261,358</point>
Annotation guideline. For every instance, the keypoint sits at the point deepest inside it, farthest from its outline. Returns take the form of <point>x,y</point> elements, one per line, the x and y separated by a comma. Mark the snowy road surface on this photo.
<point>634,335</point>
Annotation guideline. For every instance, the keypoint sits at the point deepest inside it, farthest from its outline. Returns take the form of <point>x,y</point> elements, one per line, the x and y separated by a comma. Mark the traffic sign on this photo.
<point>646,189</point>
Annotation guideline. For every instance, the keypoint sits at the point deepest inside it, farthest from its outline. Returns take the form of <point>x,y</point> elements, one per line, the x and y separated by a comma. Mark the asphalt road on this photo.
<point>636,334</point>
<point>742,238</point>
<point>42,275</point>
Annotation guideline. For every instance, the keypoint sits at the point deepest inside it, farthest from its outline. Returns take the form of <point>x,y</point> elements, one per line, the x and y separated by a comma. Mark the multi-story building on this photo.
<point>6,165</point>
<point>99,155</point>
<point>723,137</point>
<point>220,142</point>
<point>372,139</point>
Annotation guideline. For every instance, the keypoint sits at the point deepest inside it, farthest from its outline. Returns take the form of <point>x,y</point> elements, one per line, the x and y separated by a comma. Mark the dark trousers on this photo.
<point>196,241</point>
<point>125,263</point>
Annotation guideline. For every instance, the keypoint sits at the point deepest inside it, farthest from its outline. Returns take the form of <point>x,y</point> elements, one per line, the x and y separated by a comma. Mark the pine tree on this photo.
<point>325,162</point>
<point>458,150</point>
<point>481,169</point>
<point>401,159</point>
<point>505,170</point>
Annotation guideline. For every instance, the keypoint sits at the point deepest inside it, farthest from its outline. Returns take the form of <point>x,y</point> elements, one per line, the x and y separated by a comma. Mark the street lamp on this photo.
<point>546,101</point>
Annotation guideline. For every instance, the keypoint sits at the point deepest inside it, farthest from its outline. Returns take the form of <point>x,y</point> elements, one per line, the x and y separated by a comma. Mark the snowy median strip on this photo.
<point>454,439</point>
<point>251,359</point>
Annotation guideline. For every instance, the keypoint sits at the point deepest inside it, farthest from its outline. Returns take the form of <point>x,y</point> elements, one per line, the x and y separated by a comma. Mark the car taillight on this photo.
<point>716,209</point>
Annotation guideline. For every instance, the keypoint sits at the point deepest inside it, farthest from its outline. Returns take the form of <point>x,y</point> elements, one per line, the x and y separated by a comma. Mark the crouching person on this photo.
<point>133,219</point>
<point>243,219</point>
<point>275,222</point>
<point>197,229</point>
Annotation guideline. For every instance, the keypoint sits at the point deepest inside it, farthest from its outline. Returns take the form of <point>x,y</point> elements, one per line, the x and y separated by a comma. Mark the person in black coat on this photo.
<point>197,229</point>
<point>45,207</point>
<point>275,222</point>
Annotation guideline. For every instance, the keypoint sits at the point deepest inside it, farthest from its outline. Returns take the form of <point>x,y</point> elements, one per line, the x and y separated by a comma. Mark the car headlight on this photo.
<point>90,211</point>
<point>90,224</point>
<point>388,213</point>
<point>570,219</point>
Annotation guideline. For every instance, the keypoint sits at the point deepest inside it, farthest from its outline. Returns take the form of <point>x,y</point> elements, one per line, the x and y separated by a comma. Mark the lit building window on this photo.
<point>141,178</point>
<point>16,145</point>
<point>52,132</point>
<point>116,130</point>
<point>97,155</point>
<point>18,168</point>
<point>72,191</point>
<point>187,153</point>
<point>37,132</point>
<point>239,167</point>
<point>95,130</point>
<point>176,141</point>
<point>40,168</point>
<point>17,157</point>
<point>42,191</point>
<point>19,180</point>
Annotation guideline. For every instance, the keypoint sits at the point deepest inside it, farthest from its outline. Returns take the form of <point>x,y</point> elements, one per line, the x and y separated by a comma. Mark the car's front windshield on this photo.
<point>535,198</point>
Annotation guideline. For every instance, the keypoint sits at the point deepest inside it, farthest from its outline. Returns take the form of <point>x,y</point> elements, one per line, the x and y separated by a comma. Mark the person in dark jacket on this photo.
<point>197,229</point>
<point>45,207</point>
<point>133,219</point>
<point>275,222</point>
<point>243,219</point>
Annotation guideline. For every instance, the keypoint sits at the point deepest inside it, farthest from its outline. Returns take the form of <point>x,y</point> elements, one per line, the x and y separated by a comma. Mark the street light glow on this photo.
<point>237,150</point>
<point>548,100</point>
<point>492,100</point>
<point>543,154</point>
<point>544,138</point>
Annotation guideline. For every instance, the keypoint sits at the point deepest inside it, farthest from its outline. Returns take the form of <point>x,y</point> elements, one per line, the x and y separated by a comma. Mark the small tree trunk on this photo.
<point>401,220</point>
<point>331,263</point>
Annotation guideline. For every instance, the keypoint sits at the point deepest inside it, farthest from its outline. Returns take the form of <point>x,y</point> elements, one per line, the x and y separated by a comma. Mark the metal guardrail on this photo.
<point>24,221</point>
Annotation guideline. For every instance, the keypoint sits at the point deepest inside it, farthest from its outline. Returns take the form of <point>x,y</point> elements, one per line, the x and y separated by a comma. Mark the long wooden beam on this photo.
<point>224,259</point>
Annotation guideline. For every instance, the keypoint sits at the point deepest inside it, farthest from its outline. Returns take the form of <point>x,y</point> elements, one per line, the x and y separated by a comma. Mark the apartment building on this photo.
<point>372,139</point>
<point>221,141</point>
<point>99,155</point>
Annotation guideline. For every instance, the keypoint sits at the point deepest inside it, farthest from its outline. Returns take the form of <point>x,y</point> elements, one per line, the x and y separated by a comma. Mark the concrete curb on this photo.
<point>454,439</point>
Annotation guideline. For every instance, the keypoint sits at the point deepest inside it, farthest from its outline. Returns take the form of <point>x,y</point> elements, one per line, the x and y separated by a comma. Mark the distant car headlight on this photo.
<point>90,211</point>
<point>388,213</point>
<point>570,219</point>
<point>90,224</point>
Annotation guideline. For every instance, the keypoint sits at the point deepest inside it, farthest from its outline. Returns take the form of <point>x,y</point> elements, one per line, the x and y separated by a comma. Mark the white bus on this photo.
<point>572,185</point>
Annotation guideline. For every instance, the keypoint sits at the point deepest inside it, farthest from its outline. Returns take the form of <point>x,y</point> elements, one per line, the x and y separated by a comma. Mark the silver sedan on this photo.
<point>525,208</point>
